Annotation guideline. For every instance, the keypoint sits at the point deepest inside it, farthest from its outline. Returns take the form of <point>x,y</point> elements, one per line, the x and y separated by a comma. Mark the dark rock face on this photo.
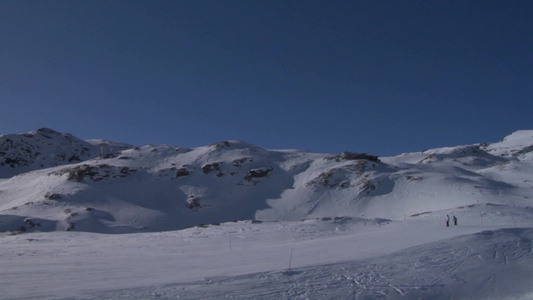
<point>94,173</point>
<point>211,167</point>
<point>354,156</point>
<point>182,172</point>
<point>193,203</point>
<point>257,173</point>
<point>223,144</point>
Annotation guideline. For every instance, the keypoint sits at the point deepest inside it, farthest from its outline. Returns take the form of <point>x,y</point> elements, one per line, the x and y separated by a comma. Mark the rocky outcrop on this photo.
<point>354,156</point>
<point>257,173</point>
<point>94,173</point>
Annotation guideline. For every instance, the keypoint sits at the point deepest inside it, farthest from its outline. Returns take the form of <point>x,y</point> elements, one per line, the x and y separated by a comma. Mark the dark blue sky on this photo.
<point>383,77</point>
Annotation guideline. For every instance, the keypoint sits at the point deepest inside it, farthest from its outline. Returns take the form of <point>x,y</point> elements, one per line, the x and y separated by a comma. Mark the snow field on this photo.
<point>336,258</point>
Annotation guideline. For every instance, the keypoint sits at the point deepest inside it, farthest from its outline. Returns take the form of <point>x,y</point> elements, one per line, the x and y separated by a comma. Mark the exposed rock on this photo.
<point>223,144</point>
<point>30,223</point>
<point>522,151</point>
<point>240,161</point>
<point>182,172</point>
<point>413,178</point>
<point>257,173</point>
<point>210,167</point>
<point>52,196</point>
<point>94,173</point>
<point>193,203</point>
<point>71,226</point>
<point>327,179</point>
<point>354,156</point>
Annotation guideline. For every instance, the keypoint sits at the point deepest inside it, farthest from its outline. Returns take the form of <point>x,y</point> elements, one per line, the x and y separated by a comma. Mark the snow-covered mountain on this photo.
<point>46,148</point>
<point>233,220</point>
<point>64,183</point>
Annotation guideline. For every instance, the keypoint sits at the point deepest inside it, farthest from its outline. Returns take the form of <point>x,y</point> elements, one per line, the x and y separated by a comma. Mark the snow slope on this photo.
<point>233,220</point>
<point>163,187</point>
<point>339,258</point>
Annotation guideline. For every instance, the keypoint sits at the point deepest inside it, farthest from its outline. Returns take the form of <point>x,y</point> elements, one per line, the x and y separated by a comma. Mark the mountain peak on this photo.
<point>44,148</point>
<point>47,130</point>
<point>233,144</point>
<point>518,143</point>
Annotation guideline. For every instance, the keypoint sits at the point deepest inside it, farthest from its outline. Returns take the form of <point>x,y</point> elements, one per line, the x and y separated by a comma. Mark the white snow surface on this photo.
<point>236,221</point>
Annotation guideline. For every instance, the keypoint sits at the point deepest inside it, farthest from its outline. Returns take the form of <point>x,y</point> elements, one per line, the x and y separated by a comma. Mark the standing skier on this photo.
<point>447,220</point>
<point>454,220</point>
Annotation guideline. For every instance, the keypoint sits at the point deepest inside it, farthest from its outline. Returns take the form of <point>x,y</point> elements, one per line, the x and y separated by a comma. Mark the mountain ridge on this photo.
<point>63,183</point>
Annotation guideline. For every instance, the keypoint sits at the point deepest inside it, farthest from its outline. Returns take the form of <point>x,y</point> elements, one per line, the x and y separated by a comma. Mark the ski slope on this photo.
<point>341,258</point>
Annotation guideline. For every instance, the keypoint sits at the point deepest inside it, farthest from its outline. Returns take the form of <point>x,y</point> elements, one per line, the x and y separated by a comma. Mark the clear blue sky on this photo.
<point>382,77</point>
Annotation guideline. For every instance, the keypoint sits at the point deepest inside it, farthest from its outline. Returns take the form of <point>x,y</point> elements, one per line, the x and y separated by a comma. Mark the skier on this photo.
<point>447,220</point>
<point>454,220</point>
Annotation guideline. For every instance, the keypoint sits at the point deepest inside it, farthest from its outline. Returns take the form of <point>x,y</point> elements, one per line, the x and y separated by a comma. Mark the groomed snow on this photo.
<point>339,258</point>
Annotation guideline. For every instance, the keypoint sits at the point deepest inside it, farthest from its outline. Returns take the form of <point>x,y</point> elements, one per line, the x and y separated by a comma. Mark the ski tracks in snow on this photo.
<point>465,267</point>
